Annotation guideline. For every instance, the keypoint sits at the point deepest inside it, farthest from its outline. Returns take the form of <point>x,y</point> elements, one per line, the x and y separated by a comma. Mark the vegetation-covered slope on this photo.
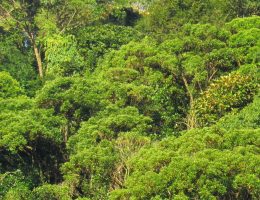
<point>129,99</point>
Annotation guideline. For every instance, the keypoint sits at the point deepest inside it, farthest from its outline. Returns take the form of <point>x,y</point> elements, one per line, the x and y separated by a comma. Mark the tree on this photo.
<point>96,41</point>
<point>137,99</point>
<point>205,163</point>
<point>224,95</point>
<point>17,59</point>
<point>177,13</point>
<point>9,87</point>
<point>31,139</point>
<point>20,14</point>
<point>28,17</point>
<point>98,151</point>
<point>14,185</point>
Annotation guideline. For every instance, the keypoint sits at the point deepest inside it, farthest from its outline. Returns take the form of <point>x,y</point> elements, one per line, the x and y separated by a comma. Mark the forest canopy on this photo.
<point>129,99</point>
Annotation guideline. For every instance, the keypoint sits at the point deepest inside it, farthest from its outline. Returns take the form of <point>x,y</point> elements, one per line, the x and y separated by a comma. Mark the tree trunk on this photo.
<point>36,53</point>
<point>188,90</point>
<point>191,117</point>
<point>38,59</point>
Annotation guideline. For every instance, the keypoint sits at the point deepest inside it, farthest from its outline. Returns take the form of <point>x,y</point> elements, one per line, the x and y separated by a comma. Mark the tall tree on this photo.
<point>38,20</point>
<point>20,15</point>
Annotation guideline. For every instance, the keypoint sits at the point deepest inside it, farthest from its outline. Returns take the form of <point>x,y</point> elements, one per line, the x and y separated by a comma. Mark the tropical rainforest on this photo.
<point>129,99</point>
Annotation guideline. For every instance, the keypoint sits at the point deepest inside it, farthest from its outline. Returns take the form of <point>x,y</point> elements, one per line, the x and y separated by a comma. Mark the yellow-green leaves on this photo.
<point>224,95</point>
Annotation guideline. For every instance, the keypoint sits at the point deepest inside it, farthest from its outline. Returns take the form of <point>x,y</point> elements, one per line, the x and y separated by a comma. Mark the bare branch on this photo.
<point>72,17</point>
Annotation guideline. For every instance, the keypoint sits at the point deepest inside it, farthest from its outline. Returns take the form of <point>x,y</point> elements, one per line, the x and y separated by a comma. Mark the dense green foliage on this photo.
<point>135,99</point>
